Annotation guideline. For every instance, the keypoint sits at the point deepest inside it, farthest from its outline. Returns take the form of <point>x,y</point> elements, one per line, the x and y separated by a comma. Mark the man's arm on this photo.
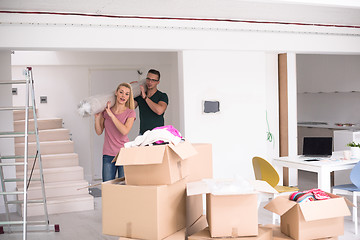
<point>158,108</point>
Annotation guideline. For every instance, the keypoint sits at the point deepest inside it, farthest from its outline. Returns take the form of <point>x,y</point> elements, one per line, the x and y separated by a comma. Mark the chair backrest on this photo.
<point>355,175</point>
<point>263,170</point>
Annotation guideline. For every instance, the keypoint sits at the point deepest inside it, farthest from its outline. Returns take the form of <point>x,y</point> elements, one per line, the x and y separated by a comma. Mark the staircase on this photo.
<point>65,186</point>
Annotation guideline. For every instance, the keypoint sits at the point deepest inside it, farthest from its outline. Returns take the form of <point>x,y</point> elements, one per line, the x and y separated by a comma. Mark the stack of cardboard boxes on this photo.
<point>152,203</point>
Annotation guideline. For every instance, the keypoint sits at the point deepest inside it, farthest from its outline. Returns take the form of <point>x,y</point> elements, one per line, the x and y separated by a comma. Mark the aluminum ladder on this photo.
<point>24,225</point>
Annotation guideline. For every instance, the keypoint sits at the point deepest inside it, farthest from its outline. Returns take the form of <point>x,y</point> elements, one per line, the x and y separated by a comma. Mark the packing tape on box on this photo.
<point>129,230</point>
<point>234,232</point>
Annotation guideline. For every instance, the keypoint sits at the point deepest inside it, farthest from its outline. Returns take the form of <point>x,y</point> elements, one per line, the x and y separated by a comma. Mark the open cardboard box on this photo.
<point>264,234</point>
<point>311,220</point>
<point>231,206</point>
<point>278,235</point>
<point>143,212</point>
<point>180,235</point>
<point>155,165</point>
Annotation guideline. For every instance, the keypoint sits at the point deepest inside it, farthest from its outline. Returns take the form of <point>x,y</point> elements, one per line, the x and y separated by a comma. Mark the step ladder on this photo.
<point>24,225</point>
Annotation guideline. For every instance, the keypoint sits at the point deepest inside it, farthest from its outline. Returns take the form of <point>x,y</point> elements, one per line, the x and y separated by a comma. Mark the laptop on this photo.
<point>317,147</point>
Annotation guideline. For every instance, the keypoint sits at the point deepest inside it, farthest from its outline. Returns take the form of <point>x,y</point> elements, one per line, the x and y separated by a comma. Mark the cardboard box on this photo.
<point>264,234</point>
<point>143,212</point>
<point>230,214</point>
<point>278,235</point>
<point>180,235</point>
<point>194,209</point>
<point>200,165</point>
<point>311,220</point>
<point>155,165</point>
<point>199,225</point>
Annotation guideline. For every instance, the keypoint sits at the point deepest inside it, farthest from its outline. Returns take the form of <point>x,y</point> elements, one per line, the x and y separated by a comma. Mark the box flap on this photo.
<point>262,186</point>
<point>183,150</point>
<point>280,205</point>
<point>220,187</point>
<point>196,188</point>
<point>348,202</point>
<point>141,155</point>
<point>323,209</point>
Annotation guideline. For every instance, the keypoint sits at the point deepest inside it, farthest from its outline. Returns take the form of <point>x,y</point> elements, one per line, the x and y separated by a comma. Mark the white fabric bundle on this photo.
<point>97,103</point>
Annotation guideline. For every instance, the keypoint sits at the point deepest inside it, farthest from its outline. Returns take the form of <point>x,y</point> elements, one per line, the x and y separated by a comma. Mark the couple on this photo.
<point>119,119</point>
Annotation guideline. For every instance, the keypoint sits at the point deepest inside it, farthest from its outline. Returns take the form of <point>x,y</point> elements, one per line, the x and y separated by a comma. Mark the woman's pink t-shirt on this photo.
<point>114,140</point>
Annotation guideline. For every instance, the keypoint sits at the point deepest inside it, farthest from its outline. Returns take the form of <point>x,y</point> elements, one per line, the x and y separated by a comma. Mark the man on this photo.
<point>152,103</point>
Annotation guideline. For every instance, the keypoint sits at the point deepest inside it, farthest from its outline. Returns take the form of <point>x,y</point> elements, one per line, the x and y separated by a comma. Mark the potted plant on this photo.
<point>355,149</point>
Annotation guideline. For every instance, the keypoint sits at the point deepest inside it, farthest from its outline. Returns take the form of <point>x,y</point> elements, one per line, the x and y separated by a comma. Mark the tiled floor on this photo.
<point>87,225</point>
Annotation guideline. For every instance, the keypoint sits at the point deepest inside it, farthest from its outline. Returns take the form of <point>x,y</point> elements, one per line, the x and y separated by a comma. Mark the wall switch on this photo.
<point>14,91</point>
<point>43,99</point>
<point>211,106</point>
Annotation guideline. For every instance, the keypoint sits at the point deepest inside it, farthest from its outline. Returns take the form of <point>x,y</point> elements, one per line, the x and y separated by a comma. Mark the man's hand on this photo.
<point>143,94</point>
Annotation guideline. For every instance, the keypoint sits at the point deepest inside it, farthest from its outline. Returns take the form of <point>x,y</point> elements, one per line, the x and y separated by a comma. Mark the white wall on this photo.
<point>238,81</point>
<point>64,78</point>
<point>329,88</point>
<point>6,124</point>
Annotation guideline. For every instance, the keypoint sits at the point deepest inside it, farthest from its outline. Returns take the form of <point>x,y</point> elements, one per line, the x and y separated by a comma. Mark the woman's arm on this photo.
<point>124,129</point>
<point>99,123</point>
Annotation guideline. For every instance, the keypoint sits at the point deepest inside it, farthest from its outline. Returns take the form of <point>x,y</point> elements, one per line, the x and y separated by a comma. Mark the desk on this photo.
<point>323,168</point>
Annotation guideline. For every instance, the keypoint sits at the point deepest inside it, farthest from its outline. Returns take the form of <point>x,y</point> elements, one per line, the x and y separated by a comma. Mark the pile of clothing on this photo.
<point>157,136</point>
<point>308,196</point>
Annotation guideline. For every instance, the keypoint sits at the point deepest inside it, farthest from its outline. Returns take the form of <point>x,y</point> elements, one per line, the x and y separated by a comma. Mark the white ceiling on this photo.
<point>338,12</point>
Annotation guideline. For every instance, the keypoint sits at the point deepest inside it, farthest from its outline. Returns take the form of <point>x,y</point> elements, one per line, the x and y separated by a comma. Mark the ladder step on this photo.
<point>11,193</point>
<point>36,227</point>
<point>21,222</point>
<point>19,179</point>
<point>13,82</point>
<point>15,157</point>
<point>12,164</point>
<point>14,134</point>
<point>13,108</point>
<point>28,201</point>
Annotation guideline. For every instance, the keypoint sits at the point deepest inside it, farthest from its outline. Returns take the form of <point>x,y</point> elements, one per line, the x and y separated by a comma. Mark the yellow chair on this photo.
<point>264,171</point>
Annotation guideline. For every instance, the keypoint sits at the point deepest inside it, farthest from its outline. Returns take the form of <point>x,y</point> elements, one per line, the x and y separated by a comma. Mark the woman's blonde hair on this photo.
<point>130,102</point>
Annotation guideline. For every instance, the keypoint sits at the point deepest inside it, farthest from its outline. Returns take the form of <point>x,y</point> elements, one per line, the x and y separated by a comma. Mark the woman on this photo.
<point>117,122</point>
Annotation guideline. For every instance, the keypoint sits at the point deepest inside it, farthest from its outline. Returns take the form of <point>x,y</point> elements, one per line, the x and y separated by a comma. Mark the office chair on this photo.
<point>264,171</point>
<point>351,189</point>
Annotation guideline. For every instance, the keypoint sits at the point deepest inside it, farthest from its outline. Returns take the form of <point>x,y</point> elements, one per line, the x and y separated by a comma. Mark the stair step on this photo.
<point>58,134</point>
<point>43,123</point>
<point>57,189</point>
<point>52,161</point>
<point>55,175</point>
<point>61,205</point>
<point>20,114</point>
<point>49,147</point>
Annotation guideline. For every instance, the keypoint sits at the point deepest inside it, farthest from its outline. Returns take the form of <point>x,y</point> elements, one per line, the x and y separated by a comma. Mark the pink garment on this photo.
<point>319,194</point>
<point>114,140</point>
<point>171,129</point>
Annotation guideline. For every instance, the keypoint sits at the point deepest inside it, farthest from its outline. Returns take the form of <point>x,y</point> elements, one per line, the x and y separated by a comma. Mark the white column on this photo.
<point>292,113</point>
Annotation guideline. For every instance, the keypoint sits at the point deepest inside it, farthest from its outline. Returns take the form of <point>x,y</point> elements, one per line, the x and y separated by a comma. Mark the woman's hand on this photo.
<point>108,108</point>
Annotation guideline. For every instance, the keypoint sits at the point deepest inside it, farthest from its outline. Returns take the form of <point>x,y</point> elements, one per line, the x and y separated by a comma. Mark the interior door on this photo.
<point>103,81</point>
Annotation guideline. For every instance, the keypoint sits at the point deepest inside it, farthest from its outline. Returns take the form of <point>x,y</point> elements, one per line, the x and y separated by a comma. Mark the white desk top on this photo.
<point>333,161</point>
